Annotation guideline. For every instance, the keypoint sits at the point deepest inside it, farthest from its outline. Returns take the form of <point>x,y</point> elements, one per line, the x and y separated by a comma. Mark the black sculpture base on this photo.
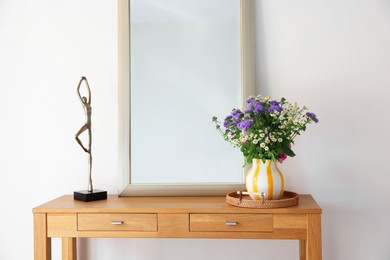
<point>84,195</point>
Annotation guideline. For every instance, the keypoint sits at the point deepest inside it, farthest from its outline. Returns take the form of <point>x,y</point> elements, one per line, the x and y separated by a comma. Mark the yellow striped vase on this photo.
<point>265,177</point>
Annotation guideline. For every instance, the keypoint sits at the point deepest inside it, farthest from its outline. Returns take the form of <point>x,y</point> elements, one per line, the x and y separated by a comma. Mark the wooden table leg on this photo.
<point>42,243</point>
<point>313,242</point>
<point>302,249</point>
<point>69,249</point>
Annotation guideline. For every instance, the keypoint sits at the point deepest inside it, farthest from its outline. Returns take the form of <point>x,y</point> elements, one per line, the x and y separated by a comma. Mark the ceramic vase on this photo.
<point>265,178</point>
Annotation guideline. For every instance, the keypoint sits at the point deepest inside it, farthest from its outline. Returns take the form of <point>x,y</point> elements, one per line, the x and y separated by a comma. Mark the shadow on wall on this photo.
<point>82,245</point>
<point>344,224</point>
<point>261,53</point>
<point>185,249</point>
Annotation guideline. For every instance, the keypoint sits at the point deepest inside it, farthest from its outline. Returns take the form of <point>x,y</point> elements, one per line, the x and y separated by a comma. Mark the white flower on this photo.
<point>262,145</point>
<point>255,141</point>
<point>266,148</point>
<point>244,138</point>
<point>262,135</point>
<point>280,140</point>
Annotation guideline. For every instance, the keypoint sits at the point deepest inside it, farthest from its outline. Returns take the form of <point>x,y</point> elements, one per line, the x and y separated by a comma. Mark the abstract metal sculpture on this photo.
<point>90,194</point>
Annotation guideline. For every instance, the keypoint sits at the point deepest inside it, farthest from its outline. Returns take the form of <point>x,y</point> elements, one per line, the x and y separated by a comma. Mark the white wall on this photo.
<point>334,56</point>
<point>331,55</point>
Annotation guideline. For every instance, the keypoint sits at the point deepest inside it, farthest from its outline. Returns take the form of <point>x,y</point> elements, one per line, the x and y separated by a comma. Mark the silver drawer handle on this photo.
<point>231,223</point>
<point>116,222</point>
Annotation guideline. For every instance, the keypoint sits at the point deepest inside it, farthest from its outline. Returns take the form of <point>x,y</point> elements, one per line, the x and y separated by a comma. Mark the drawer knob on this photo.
<point>116,222</point>
<point>230,223</point>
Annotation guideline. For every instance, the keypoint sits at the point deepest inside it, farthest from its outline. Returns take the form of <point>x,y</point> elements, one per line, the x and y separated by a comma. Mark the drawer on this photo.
<point>124,222</point>
<point>232,222</point>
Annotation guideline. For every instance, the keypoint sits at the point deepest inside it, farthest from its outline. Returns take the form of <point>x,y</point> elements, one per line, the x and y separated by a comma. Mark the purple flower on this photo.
<point>236,113</point>
<point>274,103</point>
<point>250,100</point>
<point>244,125</point>
<point>228,121</point>
<point>275,107</point>
<point>312,116</point>
<point>257,107</point>
<point>249,108</point>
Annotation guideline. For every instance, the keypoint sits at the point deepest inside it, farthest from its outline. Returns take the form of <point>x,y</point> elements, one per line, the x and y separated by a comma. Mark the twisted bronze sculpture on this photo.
<point>86,102</point>
<point>90,194</point>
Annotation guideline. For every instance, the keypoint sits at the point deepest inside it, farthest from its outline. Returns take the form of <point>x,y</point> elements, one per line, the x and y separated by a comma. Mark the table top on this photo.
<point>206,204</point>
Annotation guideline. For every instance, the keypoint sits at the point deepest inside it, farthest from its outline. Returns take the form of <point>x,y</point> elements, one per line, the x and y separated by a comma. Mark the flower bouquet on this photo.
<point>264,131</point>
<point>265,128</point>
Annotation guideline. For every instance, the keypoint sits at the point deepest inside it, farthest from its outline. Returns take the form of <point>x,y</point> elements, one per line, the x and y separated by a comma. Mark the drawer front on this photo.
<point>124,222</point>
<point>232,222</point>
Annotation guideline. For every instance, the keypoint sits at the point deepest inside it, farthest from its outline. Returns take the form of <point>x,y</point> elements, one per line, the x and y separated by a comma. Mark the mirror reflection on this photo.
<point>185,69</point>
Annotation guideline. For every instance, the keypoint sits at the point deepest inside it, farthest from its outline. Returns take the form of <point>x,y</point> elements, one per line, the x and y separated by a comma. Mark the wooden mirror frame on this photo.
<point>126,188</point>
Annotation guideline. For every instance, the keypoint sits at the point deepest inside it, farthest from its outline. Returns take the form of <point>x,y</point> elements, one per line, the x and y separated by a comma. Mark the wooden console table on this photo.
<point>173,217</point>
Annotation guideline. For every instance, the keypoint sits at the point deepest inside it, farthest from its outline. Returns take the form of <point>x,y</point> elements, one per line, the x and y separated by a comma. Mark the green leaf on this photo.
<point>289,152</point>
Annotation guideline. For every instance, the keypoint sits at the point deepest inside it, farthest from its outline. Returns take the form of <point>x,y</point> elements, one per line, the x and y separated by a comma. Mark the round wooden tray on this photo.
<point>288,199</point>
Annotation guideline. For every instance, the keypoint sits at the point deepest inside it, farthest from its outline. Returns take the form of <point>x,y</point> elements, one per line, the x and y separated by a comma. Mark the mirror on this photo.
<point>180,63</point>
